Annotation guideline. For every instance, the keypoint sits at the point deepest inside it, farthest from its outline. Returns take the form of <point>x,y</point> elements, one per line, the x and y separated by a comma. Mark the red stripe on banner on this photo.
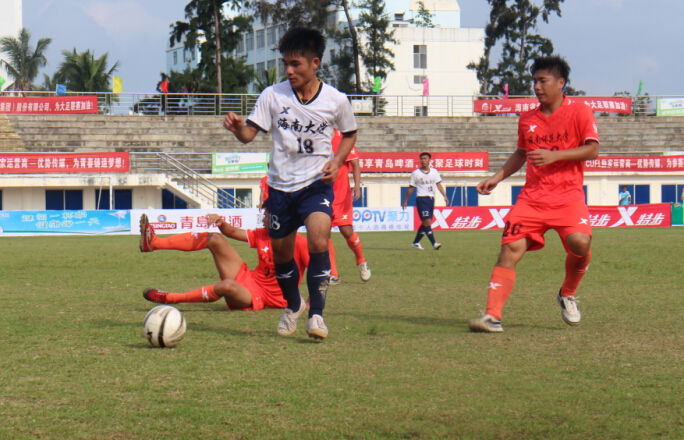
<point>494,217</point>
<point>49,105</point>
<point>659,163</point>
<point>42,163</point>
<point>391,162</point>
<point>520,105</point>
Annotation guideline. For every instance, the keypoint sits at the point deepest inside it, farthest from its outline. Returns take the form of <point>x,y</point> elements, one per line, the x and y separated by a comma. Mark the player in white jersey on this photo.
<point>301,113</point>
<point>425,179</point>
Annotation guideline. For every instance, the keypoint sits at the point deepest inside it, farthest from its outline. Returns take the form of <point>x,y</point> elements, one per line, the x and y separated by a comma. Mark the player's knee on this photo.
<point>226,288</point>
<point>579,244</point>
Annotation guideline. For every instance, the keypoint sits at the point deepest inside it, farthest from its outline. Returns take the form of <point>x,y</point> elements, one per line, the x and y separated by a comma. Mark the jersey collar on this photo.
<point>313,98</point>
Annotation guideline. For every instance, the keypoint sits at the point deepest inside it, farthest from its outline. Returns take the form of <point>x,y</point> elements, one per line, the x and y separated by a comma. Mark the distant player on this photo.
<point>343,211</point>
<point>554,140</point>
<point>425,179</point>
<point>240,287</point>
<point>301,114</point>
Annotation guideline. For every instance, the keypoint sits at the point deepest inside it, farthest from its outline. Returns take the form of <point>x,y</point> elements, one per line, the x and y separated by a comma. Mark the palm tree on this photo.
<point>24,61</point>
<point>84,73</point>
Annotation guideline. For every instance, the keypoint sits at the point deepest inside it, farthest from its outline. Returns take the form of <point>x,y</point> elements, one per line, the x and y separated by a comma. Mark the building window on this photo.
<point>282,29</point>
<point>420,110</point>
<point>641,194</point>
<point>462,195</point>
<point>249,41</point>
<point>412,200</point>
<point>271,35</point>
<point>234,197</point>
<point>172,201</point>
<point>418,79</point>
<point>260,70</point>
<point>419,56</point>
<point>175,57</point>
<point>123,199</point>
<point>270,64</point>
<point>362,202</point>
<point>63,199</point>
<point>241,46</point>
<point>260,39</point>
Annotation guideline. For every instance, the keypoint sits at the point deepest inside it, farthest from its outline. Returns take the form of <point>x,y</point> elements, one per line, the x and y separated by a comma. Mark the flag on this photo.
<point>2,82</point>
<point>164,86</point>
<point>506,91</point>
<point>426,86</point>
<point>61,89</point>
<point>117,84</point>
<point>376,84</point>
<point>641,85</point>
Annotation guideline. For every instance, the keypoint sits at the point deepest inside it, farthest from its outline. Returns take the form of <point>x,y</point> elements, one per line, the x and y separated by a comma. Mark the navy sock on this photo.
<point>428,232</point>
<point>419,235</point>
<point>287,275</point>
<point>317,279</point>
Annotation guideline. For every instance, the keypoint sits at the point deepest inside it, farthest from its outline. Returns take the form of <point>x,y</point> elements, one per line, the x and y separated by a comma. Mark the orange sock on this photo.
<point>354,243</point>
<point>333,266</point>
<point>500,287</point>
<point>575,268</point>
<point>202,295</point>
<point>188,241</point>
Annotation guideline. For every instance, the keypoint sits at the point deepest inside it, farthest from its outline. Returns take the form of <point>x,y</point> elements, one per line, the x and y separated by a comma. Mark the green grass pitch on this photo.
<point>399,362</point>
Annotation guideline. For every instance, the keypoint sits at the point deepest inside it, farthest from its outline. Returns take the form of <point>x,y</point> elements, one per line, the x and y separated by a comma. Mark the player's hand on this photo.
<point>330,169</point>
<point>356,193</point>
<point>232,122</point>
<point>486,186</point>
<point>215,219</point>
<point>541,157</point>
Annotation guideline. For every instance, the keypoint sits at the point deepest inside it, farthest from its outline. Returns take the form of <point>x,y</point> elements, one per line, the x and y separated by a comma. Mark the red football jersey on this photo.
<point>264,272</point>
<point>341,186</point>
<point>570,126</point>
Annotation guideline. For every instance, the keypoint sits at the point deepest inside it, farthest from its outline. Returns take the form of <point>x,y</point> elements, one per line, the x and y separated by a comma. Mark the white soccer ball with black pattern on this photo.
<point>164,326</point>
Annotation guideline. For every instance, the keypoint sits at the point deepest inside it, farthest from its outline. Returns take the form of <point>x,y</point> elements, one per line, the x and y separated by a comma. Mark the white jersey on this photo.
<point>425,183</point>
<point>301,132</point>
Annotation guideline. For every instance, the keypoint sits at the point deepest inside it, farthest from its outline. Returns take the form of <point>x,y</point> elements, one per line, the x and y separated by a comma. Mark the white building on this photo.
<point>10,25</point>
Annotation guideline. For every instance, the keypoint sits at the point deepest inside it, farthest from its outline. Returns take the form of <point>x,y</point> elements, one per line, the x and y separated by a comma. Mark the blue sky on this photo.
<point>610,44</point>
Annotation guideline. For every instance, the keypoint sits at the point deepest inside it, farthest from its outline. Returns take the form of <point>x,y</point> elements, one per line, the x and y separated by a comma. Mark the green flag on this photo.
<point>376,85</point>
<point>641,85</point>
<point>2,82</point>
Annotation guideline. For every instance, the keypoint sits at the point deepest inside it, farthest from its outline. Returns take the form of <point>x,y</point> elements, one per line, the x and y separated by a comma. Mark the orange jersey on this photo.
<point>341,187</point>
<point>559,183</point>
<point>263,185</point>
<point>264,272</point>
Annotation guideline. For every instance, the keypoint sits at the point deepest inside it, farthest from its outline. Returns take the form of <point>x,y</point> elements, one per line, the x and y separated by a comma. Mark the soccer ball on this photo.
<point>164,326</point>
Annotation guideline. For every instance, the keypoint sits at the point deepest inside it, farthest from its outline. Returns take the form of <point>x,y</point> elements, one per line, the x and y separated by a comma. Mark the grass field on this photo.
<point>399,362</point>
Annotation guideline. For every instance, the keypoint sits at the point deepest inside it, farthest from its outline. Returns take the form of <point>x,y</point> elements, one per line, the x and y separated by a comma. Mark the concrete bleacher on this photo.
<point>204,134</point>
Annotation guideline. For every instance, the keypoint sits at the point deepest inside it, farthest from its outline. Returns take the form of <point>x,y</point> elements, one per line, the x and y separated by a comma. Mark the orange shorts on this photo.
<point>262,295</point>
<point>343,211</point>
<point>529,221</point>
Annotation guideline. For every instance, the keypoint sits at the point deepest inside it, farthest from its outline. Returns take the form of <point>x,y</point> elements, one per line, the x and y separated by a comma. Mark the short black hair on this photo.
<point>426,154</point>
<point>554,64</point>
<point>305,41</point>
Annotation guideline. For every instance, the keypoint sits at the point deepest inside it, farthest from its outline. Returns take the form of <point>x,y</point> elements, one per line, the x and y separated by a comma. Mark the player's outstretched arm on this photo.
<point>226,228</point>
<point>514,162</point>
<point>236,125</point>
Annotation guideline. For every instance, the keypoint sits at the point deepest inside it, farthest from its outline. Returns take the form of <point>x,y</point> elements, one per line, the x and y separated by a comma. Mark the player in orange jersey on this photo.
<point>240,287</point>
<point>554,140</point>
<point>343,211</point>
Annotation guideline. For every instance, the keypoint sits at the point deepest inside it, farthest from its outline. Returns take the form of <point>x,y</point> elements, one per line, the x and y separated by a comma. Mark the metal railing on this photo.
<point>212,104</point>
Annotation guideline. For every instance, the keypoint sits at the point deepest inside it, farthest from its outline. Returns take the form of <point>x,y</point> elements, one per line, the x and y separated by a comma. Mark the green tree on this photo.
<point>84,73</point>
<point>267,78</point>
<point>374,24</point>
<point>222,35</point>
<point>24,61</point>
<point>424,16</point>
<point>310,13</point>
<point>514,23</point>
<point>49,82</point>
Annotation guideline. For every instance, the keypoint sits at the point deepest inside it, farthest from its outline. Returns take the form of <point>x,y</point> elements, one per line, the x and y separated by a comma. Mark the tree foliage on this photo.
<point>514,23</point>
<point>309,13</point>
<point>424,16</point>
<point>204,21</point>
<point>24,61</point>
<point>374,24</point>
<point>84,73</point>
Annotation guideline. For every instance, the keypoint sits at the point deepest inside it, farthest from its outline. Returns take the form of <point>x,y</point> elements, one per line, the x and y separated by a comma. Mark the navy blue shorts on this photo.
<point>425,206</point>
<point>287,210</point>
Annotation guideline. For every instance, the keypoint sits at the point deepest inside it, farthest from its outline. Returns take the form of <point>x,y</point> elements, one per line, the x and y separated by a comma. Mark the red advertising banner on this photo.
<point>520,105</point>
<point>494,217</point>
<point>659,163</point>
<point>41,163</point>
<point>391,162</point>
<point>49,104</point>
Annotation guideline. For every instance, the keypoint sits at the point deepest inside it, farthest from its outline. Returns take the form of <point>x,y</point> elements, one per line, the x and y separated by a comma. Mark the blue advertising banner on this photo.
<point>17,223</point>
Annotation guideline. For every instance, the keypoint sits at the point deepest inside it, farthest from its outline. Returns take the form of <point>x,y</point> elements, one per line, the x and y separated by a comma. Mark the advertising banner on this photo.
<point>49,105</point>
<point>670,107</point>
<point>40,163</point>
<point>520,105</point>
<point>17,223</point>
<point>391,162</point>
<point>383,219</point>
<point>644,164</point>
<point>176,221</point>
<point>239,163</point>
<point>494,217</point>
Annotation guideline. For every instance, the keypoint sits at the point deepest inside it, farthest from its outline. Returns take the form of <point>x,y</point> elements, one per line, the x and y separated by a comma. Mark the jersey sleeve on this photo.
<point>587,125</point>
<point>260,117</point>
<point>256,237</point>
<point>412,180</point>
<point>345,120</point>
